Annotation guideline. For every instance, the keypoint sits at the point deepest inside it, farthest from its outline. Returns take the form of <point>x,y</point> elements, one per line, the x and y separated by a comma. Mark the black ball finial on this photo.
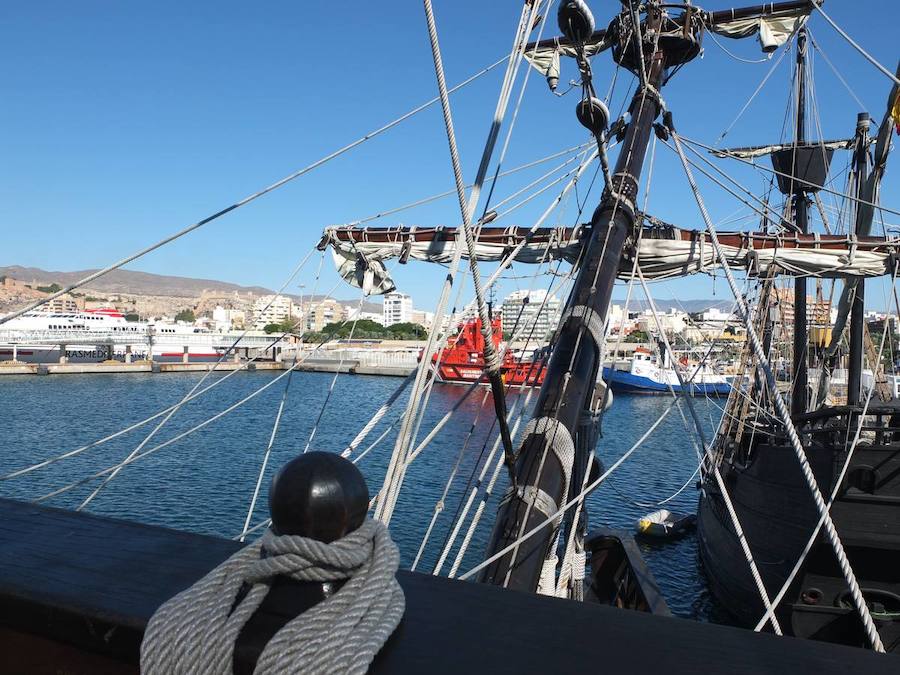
<point>318,495</point>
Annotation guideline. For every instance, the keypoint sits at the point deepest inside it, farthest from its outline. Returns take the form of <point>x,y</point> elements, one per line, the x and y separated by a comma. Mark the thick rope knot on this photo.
<point>195,631</point>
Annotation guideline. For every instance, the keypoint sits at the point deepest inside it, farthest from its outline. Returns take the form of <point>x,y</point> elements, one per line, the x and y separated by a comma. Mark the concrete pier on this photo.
<point>320,366</point>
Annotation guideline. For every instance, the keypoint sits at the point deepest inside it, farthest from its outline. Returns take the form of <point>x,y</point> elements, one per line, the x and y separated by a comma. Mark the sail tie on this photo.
<point>195,632</point>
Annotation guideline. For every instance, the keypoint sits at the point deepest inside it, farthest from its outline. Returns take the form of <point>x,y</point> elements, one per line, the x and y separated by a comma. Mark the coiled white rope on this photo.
<point>195,632</point>
<point>785,415</point>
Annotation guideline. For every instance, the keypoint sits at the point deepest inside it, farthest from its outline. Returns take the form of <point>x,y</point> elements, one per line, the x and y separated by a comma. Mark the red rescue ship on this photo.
<point>462,360</point>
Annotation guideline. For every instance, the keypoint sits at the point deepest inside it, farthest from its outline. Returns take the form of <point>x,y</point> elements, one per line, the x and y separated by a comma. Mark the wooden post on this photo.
<point>184,356</point>
<point>62,354</point>
<point>127,353</point>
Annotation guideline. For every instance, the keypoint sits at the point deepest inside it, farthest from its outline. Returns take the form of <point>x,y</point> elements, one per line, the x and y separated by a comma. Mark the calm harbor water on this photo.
<point>204,482</point>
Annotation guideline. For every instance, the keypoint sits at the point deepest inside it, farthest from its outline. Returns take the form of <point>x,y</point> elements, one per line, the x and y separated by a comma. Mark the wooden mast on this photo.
<point>857,310</point>
<point>570,383</point>
<point>572,371</point>
<point>799,398</point>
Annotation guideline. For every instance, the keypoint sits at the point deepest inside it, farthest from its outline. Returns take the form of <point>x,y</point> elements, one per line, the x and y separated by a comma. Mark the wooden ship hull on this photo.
<point>77,590</point>
<point>778,516</point>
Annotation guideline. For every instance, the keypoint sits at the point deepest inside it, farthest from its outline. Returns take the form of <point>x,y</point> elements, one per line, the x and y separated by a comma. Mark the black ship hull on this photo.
<point>778,515</point>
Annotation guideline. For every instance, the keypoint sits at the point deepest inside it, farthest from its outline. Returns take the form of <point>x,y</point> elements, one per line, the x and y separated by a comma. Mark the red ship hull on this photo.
<point>462,360</point>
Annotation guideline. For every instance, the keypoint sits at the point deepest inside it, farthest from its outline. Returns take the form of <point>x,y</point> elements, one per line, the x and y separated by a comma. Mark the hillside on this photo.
<point>127,281</point>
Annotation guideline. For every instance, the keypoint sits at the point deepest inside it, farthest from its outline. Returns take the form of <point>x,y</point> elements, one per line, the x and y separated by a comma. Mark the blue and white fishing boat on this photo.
<point>646,376</point>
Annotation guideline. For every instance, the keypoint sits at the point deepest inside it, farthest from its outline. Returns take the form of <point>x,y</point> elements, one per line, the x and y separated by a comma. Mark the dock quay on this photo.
<point>317,365</point>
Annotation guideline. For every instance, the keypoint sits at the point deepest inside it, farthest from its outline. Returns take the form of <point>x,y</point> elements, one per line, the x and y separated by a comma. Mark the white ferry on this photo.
<point>92,336</point>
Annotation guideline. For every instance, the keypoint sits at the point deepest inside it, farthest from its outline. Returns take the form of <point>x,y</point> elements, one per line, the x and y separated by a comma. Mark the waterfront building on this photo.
<point>226,319</point>
<point>356,314</point>
<point>424,319</point>
<point>535,312</point>
<point>271,309</point>
<point>397,308</point>
<point>64,303</point>
<point>324,312</point>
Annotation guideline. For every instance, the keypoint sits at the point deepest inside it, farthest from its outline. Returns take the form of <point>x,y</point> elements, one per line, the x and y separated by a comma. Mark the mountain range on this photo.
<point>128,281</point>
<point>145,283</point>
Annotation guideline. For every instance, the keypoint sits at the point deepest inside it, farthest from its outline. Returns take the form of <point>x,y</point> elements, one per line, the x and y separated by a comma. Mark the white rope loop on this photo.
<point>195,631</point>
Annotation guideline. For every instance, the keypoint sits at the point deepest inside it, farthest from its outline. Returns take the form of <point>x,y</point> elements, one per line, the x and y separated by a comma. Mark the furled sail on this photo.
<point>360,254</point>
<point>544,56</point>
<point>773,29</point>
<point>754,151</point>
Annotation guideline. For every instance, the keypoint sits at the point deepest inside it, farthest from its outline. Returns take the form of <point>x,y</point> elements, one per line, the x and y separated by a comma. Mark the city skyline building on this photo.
<point>397,308</point>
<point>531,314</point>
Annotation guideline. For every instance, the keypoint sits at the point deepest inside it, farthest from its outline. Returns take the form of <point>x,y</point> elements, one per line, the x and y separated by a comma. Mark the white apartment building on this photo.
<point>535,312</point>
<point>397,308</point>
<point>270,309</point>
<point>226,319</point>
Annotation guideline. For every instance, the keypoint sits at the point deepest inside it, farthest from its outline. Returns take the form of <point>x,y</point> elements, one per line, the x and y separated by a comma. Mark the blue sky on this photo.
<point>123,122</point>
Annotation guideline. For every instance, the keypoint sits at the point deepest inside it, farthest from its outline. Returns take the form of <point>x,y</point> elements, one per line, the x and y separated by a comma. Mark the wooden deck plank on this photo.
<point>94,582</point>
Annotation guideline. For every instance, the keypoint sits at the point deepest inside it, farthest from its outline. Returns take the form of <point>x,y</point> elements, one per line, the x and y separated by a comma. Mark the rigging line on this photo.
<point>190,397</point>
<point>426,200</point>
<point>268,452</point>
<point>358,458</point>
<point>246,200</point>
<point>255,528</point>
<point>759,88</point>
<point>394,475</point>
<point>653,505</point>
<point>78,451</point>
<point>785,416</point>
<point>473,525</point>
<point>685,392</point>
<point>485,497</point>
<point>533,195</point>
<point>837,486</point>
<point>471,388</point>
<point>532,184</point>
<point>765,205</point>
<point>871,59</point>
<point>193,390</point>
<point>492,364</point>
<point>337,372</point>
<point>450,540</point>
<point>834,70</point>
<point>136,457</point>
<point>376,418</point>
<point>571,502</point>
<point>439,504</point>
<point>690,142</point>
<point>115,467</point>
<point>515,115</point>
<point>580,334</point>
<point>490,487</point>
<point>508,260</point>
<point>206,375</point>
<point>733,55</point>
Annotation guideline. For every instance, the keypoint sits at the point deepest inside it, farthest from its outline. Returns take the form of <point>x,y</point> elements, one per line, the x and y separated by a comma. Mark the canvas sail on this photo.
<point>360,254</point>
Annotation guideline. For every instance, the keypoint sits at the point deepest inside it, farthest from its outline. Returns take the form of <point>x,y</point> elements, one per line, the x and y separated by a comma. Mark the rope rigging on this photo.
<point>246,200</point>
<point>398,460</point>
<point>784,415</point>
